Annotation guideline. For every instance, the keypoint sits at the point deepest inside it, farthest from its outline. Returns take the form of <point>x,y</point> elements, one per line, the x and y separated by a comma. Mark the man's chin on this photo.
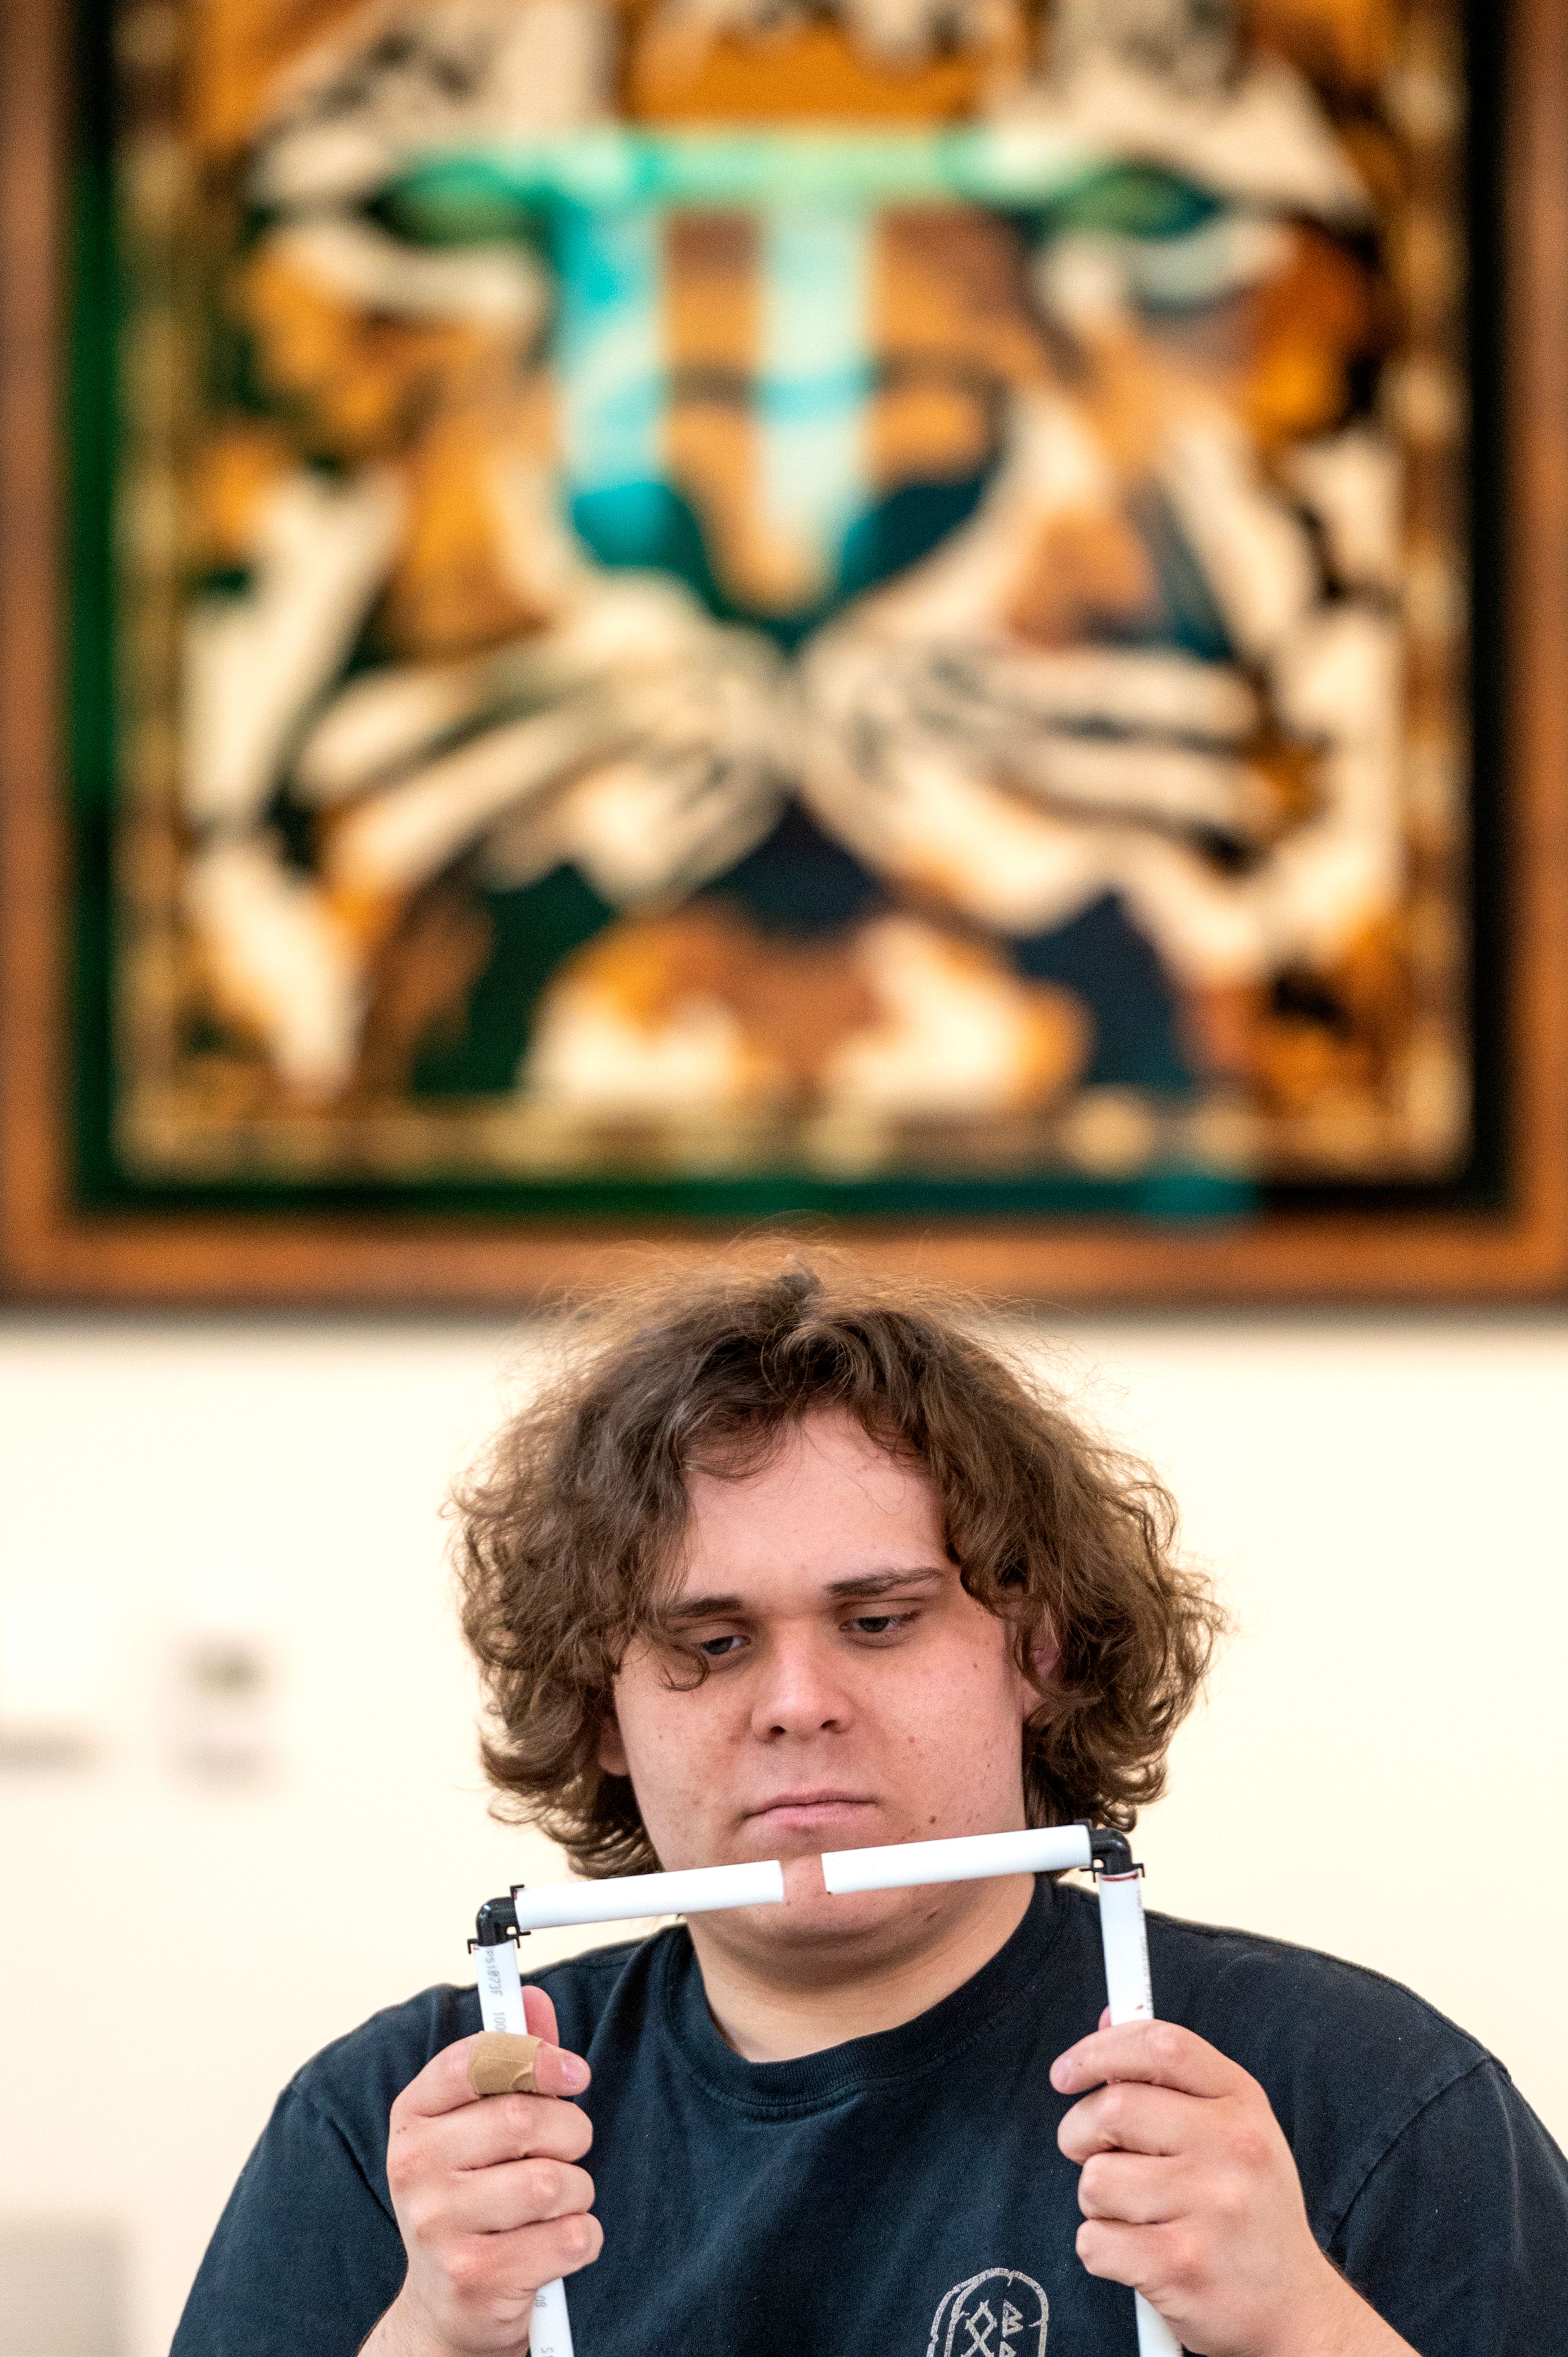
<point>805,1830</point>
<point>811,1919</point>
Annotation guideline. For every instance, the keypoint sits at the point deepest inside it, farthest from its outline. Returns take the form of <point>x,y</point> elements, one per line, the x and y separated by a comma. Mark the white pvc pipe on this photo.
<point>1125,1944</point>
<point>548,1906</point>
<point>1045,1850</point>
<point>500,1987</point>
<point>550,2327</point>
<point>1126,1948</point>
<point>1050,1849</point>
<point>500,2007</point>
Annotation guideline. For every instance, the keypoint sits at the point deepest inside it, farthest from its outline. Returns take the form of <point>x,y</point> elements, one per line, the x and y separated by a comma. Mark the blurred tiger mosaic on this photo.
<point>851,588</point>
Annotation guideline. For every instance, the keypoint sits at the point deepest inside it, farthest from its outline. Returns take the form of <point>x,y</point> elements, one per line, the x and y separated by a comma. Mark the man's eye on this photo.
<point>714,1649</point>
<point>880,1624</point>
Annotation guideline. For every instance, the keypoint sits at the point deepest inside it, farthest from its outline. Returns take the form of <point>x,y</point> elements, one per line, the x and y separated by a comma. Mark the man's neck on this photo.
<point>771,2011</point>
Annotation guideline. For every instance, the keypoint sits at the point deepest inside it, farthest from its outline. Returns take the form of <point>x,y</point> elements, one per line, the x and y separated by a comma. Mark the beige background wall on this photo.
<point>1379,1771</point>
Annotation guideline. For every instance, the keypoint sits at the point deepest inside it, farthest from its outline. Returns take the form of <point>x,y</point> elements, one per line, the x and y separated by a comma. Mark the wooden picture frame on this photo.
<point>1501,1235</point>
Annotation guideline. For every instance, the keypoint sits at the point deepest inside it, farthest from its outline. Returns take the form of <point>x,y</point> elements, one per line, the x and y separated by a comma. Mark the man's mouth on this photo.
<point>810,1812</point>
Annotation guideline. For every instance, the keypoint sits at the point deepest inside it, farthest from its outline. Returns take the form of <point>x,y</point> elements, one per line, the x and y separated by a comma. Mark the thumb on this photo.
<point>540,2014</point>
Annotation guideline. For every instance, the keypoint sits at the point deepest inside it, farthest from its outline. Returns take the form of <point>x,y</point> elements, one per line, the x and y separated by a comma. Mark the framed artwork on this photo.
<point>629,617</point>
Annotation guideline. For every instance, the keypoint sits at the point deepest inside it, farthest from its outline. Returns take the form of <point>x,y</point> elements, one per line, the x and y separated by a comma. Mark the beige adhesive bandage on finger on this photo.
<point>501,2063</point>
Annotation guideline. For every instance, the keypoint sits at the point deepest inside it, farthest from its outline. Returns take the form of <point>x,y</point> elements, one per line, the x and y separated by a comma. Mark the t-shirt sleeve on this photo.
<point>1458,2237</point>
<point>306,2256</point>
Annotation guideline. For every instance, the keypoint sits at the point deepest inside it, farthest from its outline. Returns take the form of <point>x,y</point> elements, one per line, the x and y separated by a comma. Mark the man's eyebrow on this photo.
<point>687,1608</point>
<point>883,1583</point>
<point>701,1607</point>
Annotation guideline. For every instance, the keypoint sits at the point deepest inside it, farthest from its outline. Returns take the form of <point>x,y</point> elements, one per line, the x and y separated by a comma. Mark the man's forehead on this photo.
<point>823,1486</point>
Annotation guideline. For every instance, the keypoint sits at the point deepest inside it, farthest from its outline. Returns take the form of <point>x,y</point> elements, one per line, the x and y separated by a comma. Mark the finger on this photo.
<point>512,2265</point>
<point>516,2193</point>
<point>567,2243</point>
<point>1129,2117</point>
<point>556,2071</point>
<point>1135,2255</point>
<point>505,2127</point>
<point>501,2063</point>
<point>1131,2188</point>
<point>442,2084</point>
<point>539,2012</point>
<point>1161,2052</point>
<point>570,2243</point>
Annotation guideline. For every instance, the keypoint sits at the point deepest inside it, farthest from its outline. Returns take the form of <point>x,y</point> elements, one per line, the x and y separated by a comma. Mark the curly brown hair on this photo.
<point>569,1531</point>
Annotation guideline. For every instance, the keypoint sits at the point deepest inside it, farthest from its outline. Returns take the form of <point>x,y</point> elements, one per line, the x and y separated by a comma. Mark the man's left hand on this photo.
<point>1189,2193</point>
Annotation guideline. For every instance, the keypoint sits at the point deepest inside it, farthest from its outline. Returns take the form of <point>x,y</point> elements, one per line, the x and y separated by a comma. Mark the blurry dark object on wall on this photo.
<point>680,616</point>
<point>221,1723</point>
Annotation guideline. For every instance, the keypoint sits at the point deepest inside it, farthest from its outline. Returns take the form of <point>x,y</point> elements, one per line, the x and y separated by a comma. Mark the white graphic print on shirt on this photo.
<point>997,2313</point>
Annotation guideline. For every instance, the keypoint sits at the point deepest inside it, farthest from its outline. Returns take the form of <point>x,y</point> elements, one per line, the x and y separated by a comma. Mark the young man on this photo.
<point>787,1562</point>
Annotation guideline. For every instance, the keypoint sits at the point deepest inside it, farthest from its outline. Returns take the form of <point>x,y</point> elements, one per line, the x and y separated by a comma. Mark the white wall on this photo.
<point>1377,1772</point>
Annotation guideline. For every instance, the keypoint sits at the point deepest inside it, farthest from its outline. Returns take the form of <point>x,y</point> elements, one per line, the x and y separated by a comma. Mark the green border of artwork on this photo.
<point>1164,1196</point>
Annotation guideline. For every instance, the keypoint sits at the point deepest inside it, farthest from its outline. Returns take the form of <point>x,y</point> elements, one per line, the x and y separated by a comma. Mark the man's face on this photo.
<point>854,1693</point>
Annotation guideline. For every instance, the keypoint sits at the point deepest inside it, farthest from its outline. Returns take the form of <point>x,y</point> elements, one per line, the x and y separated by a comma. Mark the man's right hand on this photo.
<point>489,2200</point>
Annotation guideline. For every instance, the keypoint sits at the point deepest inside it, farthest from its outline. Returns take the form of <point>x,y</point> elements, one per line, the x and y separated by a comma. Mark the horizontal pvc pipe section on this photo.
<point>548,1906</point>
<point>1046,1849</point>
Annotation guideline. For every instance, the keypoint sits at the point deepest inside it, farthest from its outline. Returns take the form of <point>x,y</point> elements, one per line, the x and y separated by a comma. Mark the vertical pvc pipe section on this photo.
<point>1131,1995</point>
<point>500,2007</point>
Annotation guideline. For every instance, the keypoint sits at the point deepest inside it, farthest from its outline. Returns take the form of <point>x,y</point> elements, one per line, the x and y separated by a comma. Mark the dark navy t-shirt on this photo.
<point>903,2195</point>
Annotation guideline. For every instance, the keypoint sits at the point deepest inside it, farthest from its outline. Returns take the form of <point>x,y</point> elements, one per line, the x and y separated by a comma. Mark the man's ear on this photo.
<point>1043,1654</point>
<point>612,1750</point>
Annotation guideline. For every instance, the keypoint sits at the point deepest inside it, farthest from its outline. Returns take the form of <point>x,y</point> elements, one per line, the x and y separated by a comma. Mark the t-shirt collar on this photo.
<point>933,2040</point>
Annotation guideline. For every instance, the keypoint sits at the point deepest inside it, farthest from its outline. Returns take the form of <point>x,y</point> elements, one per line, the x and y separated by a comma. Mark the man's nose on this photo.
<point>800,1691</point>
